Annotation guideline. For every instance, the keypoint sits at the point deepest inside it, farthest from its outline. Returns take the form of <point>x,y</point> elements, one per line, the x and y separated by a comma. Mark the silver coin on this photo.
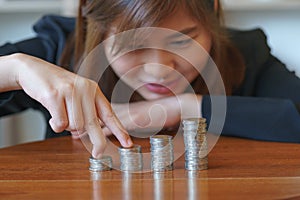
<point>195,141</point>
<point>102,164</point>
<point>131,158</point>
<point>161,153</point>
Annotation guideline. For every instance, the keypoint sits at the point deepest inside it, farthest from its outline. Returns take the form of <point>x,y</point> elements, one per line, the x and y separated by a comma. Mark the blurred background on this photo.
<point>16,20</point>
<point>280,20</point>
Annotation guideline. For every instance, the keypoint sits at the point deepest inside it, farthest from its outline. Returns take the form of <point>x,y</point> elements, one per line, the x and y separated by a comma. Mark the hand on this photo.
<point>157,114</point>
<point>75,103</point>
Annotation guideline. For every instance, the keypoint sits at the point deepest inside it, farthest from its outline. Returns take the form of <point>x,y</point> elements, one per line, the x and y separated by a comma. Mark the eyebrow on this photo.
<point>185,31</point>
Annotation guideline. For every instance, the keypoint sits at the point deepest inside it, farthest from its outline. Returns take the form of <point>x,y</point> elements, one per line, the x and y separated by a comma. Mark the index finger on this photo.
<point>93,127</point>
<point>111,121</point>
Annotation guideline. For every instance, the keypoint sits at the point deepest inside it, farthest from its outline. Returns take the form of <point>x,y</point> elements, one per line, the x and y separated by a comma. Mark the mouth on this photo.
<point>161,88</point>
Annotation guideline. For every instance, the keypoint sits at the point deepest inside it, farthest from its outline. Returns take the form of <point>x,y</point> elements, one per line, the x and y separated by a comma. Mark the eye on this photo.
<point>130,47</point>
<point>181,43</point>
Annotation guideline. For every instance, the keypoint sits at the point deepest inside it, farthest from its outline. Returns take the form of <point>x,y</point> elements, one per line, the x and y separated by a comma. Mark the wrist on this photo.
<point>10,67</point>
<point>190,105</point>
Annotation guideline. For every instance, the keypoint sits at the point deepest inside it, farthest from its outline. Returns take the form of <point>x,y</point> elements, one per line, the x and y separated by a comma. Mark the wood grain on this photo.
<point>238,168</point>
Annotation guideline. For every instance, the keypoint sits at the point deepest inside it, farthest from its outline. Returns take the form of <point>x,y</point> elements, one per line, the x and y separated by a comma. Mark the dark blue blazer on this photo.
<point>263,108</point>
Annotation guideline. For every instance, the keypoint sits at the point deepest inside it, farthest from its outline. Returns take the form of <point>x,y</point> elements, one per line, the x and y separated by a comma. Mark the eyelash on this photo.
<point>181,42</point>
<point>178,44</point>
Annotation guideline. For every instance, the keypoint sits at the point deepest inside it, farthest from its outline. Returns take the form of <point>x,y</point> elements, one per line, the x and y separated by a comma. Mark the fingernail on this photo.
<point>129,142</point>
<point>96,155</point>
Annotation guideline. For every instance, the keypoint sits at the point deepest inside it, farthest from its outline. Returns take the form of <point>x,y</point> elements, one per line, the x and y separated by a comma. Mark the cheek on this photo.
<point>124,65</point>
<point>193,65</point>
<point>195,58</point>
<point>190,73</point>
<point>205,41</point>
<point>120,67</point>
<point>121,64</point>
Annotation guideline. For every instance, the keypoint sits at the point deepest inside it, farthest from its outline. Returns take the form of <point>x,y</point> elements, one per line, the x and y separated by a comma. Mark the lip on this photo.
<point>161,88</point>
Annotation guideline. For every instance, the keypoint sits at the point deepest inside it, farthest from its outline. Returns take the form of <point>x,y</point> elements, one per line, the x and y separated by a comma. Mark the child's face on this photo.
<point>157,73</point>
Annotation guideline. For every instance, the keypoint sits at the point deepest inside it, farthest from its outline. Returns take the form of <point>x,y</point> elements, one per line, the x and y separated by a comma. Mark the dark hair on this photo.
<point>96,17</point>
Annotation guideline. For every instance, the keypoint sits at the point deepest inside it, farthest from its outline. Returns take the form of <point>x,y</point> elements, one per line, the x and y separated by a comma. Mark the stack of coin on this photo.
<point>131,158</point>
<point>102,175</point>
<point>195,141</point>
<point>161,153</point>
<point>102,164</point>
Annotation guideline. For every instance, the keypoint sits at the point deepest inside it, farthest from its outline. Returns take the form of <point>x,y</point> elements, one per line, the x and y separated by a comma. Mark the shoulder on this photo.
<point>54,30</point>
<point>256,53</point>
<point>51,32</point>
<point>252,44</point>
<point>55,23</point>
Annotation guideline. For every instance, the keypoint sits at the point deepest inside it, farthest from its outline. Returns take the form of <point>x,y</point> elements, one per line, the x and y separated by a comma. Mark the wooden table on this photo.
<point>238,169</point>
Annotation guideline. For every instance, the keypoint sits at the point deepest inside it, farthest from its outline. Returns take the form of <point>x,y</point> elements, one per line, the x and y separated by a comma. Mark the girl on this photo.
<point>158,67</point>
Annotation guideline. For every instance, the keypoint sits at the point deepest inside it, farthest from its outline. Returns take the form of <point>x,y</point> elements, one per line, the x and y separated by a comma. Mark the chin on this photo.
<point>154,96</point>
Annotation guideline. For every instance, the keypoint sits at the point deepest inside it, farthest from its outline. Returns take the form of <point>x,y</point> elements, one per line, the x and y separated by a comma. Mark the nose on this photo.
<point>159,63</point>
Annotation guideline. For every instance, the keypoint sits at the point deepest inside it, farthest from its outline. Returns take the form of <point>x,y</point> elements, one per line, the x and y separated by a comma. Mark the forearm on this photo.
<point>190,105</point>
<point>165,112</point>
<point>259,118</point>
<point>178,107</point>
<point>9,66</point>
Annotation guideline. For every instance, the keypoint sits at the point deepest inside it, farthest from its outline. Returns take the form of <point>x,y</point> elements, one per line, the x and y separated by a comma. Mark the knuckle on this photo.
<point>59,125</point>
<point>67,86</point>
<point>90,86</point>
<point>53,94</point>
<point>93,123</point>
<point>109,118</point>
<point>78,125</point>
<point>107,132</point>
<point>86,82</point>
<point>92,83</point>
<point>62,124</point>
<point>49,96</point>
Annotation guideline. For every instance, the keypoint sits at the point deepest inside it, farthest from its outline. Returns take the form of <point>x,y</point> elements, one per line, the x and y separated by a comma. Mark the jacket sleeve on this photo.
<point>259,118</point>
<point>276,81</point>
